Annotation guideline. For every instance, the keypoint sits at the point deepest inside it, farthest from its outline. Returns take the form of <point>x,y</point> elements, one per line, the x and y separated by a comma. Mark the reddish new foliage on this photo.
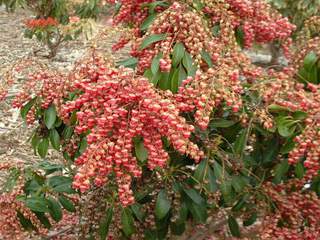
<point>41,23</point>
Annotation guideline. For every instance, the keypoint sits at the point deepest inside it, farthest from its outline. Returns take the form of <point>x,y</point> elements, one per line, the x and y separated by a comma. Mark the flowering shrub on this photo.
<point>186,129</point>
<point>56,22</point>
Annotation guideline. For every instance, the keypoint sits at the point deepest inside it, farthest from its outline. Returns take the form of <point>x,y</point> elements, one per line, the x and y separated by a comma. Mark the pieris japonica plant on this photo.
<point>55,22</point>
<point>185,134</point>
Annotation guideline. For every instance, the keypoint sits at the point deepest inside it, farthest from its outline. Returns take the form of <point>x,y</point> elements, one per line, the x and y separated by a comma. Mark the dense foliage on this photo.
<point>186,130</point>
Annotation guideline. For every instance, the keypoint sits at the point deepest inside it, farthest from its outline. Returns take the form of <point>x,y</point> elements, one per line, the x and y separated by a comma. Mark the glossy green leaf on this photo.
<point>50,116</point>
<point>299,170</point>
<point>127,222</point>
<point>152,39</point>
<point>35,141</point>
<point>175,81</point>
<point>67,133</point>
<point>26,108</point>
<point>54,139</point>
<point>25,222</point>
<point>299,115</point>
<point>105,224</point>
<point>280,170</point>
<point>238,183</point>
<point>178,53</point>
<point>129,63</point>
<point>156,63</point>
<point>66,203</point>
<point>11,180</point>
<point>207,58</point>
<point>43,219</point>
<point>251,220</point>
<point>226,190</point>
<point>140,150</point>
<point>54,209</point>
<point>199,212</point>
<point>310,60</point>
<point>163,205</point>
<point>188,63</point>
<point>221,123</point>
<point>234,227</point>
<point>218,171</point>
<point>194,195</point>
<point>37,204</point>
<point>148,22</point>
<point>137,210</point>
<point>241,142</point>
<point>43,147</point>
<point>277,108</point>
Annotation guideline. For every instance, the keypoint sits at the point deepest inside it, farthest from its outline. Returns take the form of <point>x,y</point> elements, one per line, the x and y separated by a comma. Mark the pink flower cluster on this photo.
<point>116,107</point>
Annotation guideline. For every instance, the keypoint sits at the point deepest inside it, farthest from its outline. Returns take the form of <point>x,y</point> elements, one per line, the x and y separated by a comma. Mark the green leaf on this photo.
<point>35,141</point>
<point>37,204</point>
<point>299,115</point>
<point>200,173</point>
<point>240,204</point>
<point>226,190</point>
<point>175,81</point>
<point>177,228</point>
<point>299,170</point>
<point>25,222</point>
<point>66,203</point>
<point>216,30</point>
<point>280,170</point>
<point>152,39</point>
<point>26,108</point>
<point>127,222</point>
<point>67,132</point>
<point>178,54</point>
<point>238,183</point>
<point>55,209</point>
<point>199,212</point>
<point>163,205</point>
<point>83,145</point>
<point>188,63</point>
<point>105,224</point>
<point>43,219</point>
<point>54,139</point>
<point>50,116</point>
<point>207,58</point>
<point>251,220</point>
<point>212,185</point>
<point>288,146</point>
<point>11,180</point>
<point>286,127</point>
<point>221,123</point>
<point>129,63</point>
<point>218,171</point>
<point>194,195</point>
<point>43,147</point>
<point>141,151</point>
<point>137,210</point>
<point>155,63</point>
<point>156,78</point>
<point>234,227</point>
<point>310,60</point>
<point>148,22</point>
<point>277,108</point>
<point>241,142</point>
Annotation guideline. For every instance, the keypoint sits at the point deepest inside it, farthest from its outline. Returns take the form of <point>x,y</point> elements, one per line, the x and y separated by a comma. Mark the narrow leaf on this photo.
<point>152,39</point>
